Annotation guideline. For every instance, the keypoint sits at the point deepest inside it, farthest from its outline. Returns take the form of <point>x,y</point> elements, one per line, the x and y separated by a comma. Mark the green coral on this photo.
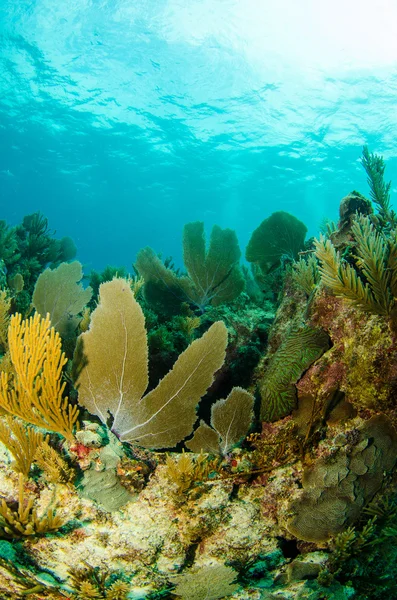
<point>374,166</point>
<point>305,274</point>
<point>164,290</point>
<point>373,286</point>
<point>213,275</point>
<point>96,278</point>
<point>372,251</point>
<point>299,350</point>
<point>280,235</point>
<point>361,552</point>
<point>28,248</point>
<point>8,245</point>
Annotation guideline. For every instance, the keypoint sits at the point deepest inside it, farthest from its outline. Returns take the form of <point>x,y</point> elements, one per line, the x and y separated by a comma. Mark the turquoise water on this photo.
<point>122,120</point>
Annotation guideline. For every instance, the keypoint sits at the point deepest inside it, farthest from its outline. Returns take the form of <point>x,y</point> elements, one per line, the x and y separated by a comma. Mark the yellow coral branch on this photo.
<point>22,442</point>
<point>35,393</point>
<point>24,521</point>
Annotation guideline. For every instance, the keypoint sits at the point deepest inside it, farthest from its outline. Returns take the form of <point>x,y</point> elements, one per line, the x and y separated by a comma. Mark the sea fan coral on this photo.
<point>279,235</point>
<point>115,375</point>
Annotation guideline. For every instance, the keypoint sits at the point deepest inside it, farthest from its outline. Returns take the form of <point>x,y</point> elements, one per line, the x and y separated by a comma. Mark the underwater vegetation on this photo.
<point>213,275</point>
<point>58,293</point>
<point>207,432</point>
<point>278,237</point>
<point>25,250</point>
<point>371,286</point>
<point>297,352</point>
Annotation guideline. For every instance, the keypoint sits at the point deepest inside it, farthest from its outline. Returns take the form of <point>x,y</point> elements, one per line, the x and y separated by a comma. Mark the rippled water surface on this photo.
<point>122,120</point>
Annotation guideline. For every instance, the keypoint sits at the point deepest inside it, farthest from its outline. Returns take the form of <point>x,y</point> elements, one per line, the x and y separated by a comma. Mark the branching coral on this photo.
<point>275,445</point>
<point>25,521</point>
<point>374,166</point>
<point>349,542</point>
<point>341,277</point>
<point>8,245</point>
<point>55,468</point>
<point>305,274</point>
<point>21,441</point>
<point>377,261</point>
<point>185,471</point>
<point>182,471</point>
<point>136,284</point>
<point>35,393</point>
<point>372,251</point>
<point>35,248</point>
<point>361,552</point>
<point>189,325</point>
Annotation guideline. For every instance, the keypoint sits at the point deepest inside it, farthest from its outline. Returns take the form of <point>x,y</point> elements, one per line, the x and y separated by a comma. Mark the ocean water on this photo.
<point>122,120</point>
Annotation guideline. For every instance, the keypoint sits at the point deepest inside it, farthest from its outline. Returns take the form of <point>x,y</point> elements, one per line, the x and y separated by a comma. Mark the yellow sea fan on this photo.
<point>115,381</point>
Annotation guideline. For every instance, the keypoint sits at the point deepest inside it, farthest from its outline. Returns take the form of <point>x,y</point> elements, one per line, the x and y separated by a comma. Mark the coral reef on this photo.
<point>124,476</point>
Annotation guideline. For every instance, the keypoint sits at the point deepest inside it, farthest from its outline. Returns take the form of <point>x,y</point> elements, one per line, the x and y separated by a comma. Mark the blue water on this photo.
<point>121,120</point>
